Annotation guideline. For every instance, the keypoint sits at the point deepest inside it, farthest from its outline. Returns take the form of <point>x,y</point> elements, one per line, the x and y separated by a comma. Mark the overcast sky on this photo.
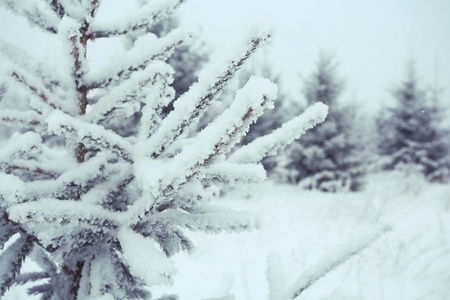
<point>372,40</point>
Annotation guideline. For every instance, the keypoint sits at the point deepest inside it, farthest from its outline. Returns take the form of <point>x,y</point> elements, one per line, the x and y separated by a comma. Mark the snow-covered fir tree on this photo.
<point>328,157</point>
<point>410,133</point>
<point>101,212</point>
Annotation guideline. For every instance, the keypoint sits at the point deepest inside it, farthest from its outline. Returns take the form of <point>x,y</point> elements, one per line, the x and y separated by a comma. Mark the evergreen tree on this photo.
<point>95,209</point>
<point>410,132</point>
<point>328,157</point>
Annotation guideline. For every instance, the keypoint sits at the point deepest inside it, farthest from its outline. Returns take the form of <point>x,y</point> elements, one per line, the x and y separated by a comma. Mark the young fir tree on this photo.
<point>328,157</point>
<point>410,134</point>
<point>101,213</point>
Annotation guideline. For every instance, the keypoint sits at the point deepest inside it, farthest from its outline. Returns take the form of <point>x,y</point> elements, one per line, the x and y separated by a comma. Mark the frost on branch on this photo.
<point>102,210</point>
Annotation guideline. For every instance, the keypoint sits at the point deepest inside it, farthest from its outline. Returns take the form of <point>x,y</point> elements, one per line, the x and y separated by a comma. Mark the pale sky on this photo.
<point>372,40</point>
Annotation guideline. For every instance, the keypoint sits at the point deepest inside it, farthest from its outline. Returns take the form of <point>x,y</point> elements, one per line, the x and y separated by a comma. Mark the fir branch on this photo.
<point>24,119</point>
<point>147,50</point>
<point>19,146</point>
<point>40,257</point>
<point>37,92</point>
<point>30,65</point>
<point>41,289</point>
<point>149,15</point>
<point>11,261</point>
<point>7,229</point>
<point>96,135</point>
<point>191,105</point>
<point>149,83</point>
<point>270,144</point>
<point>214,141</point>
<point>10,168</point>
<point>30,277</point>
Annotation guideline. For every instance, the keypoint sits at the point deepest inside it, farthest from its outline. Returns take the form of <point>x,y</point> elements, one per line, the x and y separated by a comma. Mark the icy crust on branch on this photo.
<point>36,15</point>
<point>213,142</point>
<point>145,259</point>
<point>279,138</point>
<point>192,104</point>
<point>145,50</point>
<point>96,135</point>
<point>148,15</point>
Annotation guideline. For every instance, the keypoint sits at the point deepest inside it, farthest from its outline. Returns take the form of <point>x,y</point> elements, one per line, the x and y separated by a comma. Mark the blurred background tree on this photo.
<point>411,133</point>
<point>329,157</point>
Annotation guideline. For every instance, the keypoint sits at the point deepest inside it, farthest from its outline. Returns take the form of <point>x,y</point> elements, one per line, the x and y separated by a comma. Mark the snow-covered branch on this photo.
<point>196,101</point>
<point>279,138</point>
<point>19,146</point>
<point>146,49</point>
<point>213,142</point>
<point>93,134</point>
<point>152,83</point>
<point>30,65</point>
<point>148,15</point>
<point>232,173</point>
<point>43,102</point>
<point>23,119</point>
<point>11,261</point>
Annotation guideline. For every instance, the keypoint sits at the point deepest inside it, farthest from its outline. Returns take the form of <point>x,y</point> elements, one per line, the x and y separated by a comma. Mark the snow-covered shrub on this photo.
<point>411,135</point>
<point>101,212</point>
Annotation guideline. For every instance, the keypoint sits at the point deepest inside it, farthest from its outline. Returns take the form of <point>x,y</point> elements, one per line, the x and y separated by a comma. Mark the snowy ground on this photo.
<point>302,231</point>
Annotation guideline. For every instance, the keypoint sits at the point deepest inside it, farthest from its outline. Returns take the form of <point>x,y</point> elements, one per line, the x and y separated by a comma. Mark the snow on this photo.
<point>302,230</point>
<point>145,259</point>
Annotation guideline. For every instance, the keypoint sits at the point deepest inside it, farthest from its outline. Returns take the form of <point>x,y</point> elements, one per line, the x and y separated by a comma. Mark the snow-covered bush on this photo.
<point>101,212</point>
